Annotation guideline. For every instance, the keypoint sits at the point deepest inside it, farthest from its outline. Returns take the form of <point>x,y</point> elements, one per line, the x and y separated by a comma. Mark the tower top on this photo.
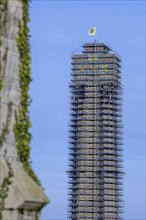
<point>97,46</point>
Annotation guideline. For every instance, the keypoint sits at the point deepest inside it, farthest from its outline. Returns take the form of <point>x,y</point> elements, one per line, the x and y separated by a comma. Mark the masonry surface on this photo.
<point>21,196</point>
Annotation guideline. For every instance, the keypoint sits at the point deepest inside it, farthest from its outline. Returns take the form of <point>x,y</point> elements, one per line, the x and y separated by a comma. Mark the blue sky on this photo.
<point>57,28</point>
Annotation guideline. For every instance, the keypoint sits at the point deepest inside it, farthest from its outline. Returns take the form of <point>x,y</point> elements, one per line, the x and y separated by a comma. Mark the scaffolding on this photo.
<point>95,141</point>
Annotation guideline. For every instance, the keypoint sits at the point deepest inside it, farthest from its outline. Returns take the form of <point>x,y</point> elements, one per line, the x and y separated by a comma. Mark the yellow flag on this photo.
<point>92,31</point>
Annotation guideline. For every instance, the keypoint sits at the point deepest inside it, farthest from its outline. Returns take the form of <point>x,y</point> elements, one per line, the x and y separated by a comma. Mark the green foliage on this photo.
<point>23,124</point>
<point>3,15</point>
<point>3,194</point>
<point>4,188</point>
<point>5,184</point>
<point>4,58</point>
<point>5,126</point>
<point>3,20</point>
<point>1,84</point>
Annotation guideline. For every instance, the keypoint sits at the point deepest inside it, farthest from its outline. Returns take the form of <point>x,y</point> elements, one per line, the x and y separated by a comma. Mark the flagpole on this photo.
<point>96,39</point>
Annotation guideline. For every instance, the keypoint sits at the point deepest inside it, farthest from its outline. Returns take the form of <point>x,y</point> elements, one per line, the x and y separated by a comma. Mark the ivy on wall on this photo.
<point>5,187</point>
<point>3,20</point>
<point>3,16</point>
<point>6,125</point>
<point>23,124</point>
<point>4,128</point>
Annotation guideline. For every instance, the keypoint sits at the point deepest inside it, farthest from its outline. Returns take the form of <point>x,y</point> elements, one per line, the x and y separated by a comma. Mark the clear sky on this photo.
<point>57,28</point>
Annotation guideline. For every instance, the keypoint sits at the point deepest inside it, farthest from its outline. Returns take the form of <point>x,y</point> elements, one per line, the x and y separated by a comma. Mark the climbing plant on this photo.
<point>3,21</point>
<point>4,188</point>
<point>23,124</point>
<point>6,181</point>
<point>6,125</point>
<point>3,15</point>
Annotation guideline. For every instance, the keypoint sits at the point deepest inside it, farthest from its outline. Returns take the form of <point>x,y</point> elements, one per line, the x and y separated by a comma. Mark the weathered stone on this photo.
<point>21,197</point>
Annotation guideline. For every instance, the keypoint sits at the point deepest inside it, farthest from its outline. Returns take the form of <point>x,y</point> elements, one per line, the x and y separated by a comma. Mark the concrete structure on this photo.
<point>21,198</point>
<point>95,151</point>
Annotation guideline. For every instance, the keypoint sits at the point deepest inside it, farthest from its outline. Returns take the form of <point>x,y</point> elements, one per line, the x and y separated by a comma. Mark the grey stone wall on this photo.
<point>21,197</point>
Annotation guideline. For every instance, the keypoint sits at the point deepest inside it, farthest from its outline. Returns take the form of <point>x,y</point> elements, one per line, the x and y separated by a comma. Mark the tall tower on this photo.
<point>95,151</point>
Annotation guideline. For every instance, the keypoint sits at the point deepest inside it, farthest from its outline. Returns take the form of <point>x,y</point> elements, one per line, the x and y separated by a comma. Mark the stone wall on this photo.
<point>20,196</point>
